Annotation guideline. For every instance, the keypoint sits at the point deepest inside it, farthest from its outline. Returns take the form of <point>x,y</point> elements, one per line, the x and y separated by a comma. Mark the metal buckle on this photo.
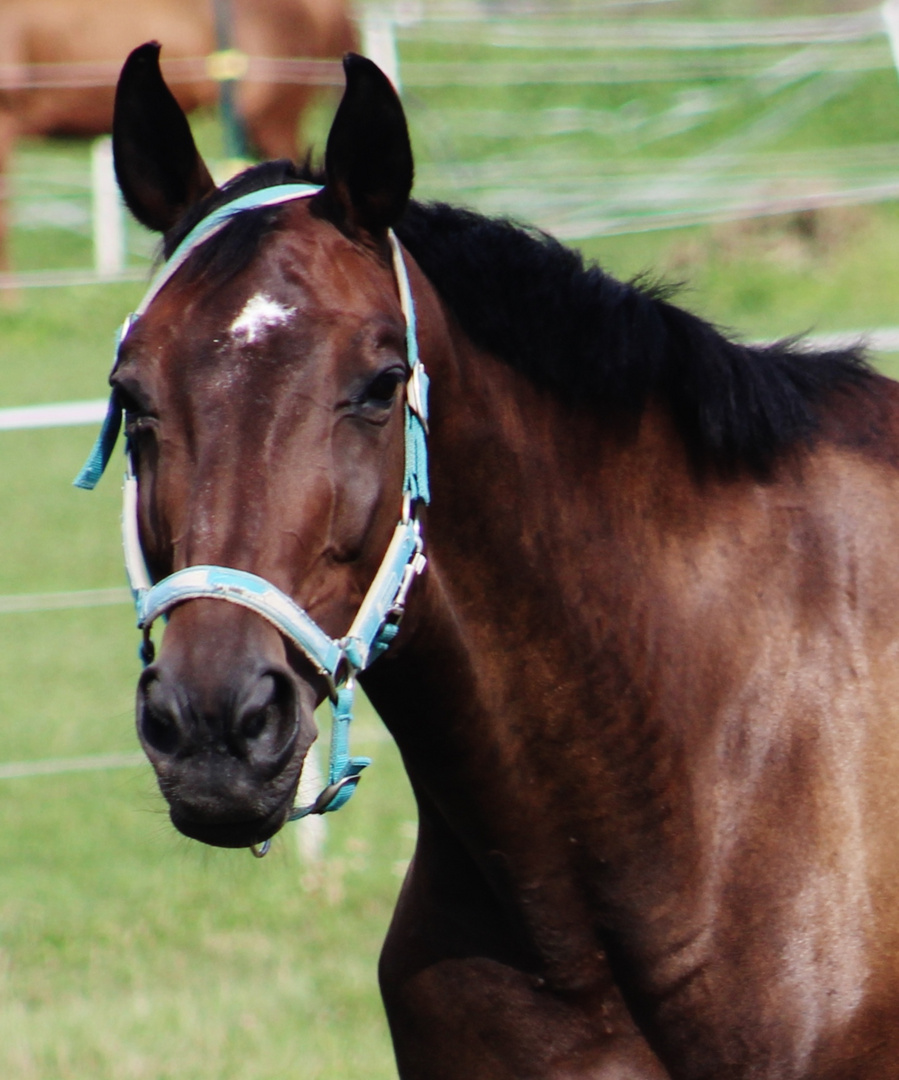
<point>415,396</point>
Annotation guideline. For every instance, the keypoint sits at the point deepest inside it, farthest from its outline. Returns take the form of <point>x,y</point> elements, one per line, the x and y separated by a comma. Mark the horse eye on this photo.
<point>137,417</point>
<point>382,389</point>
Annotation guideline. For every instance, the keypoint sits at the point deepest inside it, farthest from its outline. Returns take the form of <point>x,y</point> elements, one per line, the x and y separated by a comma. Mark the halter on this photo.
<point>376,623</point>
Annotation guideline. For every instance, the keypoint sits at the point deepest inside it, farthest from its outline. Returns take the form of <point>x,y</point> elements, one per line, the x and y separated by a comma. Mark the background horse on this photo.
<point>646,690</point>
<point>59,60</point>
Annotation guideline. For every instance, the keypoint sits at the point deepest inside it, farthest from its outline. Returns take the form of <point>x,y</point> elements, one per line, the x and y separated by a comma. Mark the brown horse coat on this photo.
<point>647,692</point>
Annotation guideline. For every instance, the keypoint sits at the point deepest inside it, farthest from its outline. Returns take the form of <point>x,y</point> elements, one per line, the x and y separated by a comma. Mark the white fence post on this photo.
<point>379,44</point>
<point>106,212</point>
<point>890,13</point>
<point>312,831</point>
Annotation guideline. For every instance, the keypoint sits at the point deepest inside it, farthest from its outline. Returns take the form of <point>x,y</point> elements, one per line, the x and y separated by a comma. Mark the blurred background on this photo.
<point>749,150</point>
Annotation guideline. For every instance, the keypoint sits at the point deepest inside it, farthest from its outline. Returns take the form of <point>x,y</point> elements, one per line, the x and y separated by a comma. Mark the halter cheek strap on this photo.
<point>377,620</point>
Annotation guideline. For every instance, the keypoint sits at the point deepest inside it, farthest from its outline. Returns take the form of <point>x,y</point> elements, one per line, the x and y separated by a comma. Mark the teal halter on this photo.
<point>376,623</point>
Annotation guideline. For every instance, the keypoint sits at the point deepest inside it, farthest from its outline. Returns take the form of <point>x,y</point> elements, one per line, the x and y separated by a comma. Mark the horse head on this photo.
<point>262,388</point>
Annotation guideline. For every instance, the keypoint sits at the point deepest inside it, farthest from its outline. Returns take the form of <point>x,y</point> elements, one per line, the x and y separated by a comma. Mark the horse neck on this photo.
<point>595,685</point>
<point>515,699</point>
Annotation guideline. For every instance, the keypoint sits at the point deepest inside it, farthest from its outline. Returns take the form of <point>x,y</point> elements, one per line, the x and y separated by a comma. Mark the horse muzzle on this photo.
<point>226,725</point>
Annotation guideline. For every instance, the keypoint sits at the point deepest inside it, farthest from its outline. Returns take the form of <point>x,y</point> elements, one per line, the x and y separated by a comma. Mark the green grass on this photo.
<point>57,344</point>
<point>822,271</point>
<point>128,952</point>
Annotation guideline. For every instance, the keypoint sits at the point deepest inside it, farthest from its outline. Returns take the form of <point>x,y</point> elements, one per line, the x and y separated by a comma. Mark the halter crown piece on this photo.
<point>377,620</point>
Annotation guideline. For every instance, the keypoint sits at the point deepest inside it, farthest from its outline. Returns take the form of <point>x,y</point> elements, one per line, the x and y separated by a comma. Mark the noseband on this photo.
<point>376,623</point>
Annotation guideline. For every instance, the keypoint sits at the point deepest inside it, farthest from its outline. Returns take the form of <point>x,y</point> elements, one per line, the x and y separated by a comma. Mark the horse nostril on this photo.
<point>254,717</point>
<point>157,724</point>
<point>254,724</point>
<point>267,724</point>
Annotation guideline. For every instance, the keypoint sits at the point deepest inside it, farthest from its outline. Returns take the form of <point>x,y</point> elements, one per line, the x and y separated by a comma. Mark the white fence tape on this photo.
<point>26,603</point>
<point>22,770</point>
<point>66,414</point>
<point>583,30</point>
<point>54,279</point>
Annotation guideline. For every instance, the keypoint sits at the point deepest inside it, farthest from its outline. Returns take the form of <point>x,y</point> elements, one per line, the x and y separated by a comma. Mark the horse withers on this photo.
<point>646,689</point>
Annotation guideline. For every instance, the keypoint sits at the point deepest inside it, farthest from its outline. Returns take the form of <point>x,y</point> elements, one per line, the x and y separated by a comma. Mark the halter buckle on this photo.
<point>416,395</point>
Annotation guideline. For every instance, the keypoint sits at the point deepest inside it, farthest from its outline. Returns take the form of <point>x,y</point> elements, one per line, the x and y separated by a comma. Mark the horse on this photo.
<point>59,62</point>
<point>646,686</point>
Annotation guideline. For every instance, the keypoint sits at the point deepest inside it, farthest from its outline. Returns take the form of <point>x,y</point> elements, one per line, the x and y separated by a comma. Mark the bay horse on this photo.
<point>59,62</point>
<point>647,687</point>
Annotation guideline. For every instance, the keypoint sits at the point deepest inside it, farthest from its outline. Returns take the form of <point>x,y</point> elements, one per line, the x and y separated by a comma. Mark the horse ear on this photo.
<point>159,170</point>
<point>368,158</point>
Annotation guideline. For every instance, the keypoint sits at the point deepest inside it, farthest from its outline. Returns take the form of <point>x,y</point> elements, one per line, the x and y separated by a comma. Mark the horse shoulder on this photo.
<point>462,992</point>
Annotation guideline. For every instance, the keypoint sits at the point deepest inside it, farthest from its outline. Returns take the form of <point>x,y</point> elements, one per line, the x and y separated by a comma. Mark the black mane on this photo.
<point>582,334</point>
<point>588,337</point>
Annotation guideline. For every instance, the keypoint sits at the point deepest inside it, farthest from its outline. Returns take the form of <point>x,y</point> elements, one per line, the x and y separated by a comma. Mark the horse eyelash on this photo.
<point>137,422</point>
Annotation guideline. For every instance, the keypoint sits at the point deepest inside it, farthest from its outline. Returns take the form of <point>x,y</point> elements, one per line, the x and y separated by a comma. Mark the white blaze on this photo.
<point>259,315</point>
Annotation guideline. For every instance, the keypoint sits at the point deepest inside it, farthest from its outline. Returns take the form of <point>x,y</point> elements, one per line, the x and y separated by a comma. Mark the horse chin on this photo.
<point>230,834</point>
<point>215,797</point>
<point>219,816</point>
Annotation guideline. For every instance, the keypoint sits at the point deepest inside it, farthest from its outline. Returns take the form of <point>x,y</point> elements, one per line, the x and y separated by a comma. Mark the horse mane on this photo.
<point>588,337</point>
<point>583,335</point>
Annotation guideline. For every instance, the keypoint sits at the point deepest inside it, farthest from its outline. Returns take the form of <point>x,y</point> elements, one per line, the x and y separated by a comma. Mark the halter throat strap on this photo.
<point>376,623</point>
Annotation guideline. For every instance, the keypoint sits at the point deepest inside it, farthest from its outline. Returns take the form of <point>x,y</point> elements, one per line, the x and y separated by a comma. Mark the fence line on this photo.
<point>24,770</point>
<point>664,34</point>
<point>28,603</point>
<point>94,74</point>
<point>813,58</point>
<point>64,414</point>
<point>408,13</point>
<point>310,784</point>
<point>441,73</point>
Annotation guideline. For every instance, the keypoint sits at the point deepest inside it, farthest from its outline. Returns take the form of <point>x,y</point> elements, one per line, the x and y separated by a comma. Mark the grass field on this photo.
<point>127,952</point>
